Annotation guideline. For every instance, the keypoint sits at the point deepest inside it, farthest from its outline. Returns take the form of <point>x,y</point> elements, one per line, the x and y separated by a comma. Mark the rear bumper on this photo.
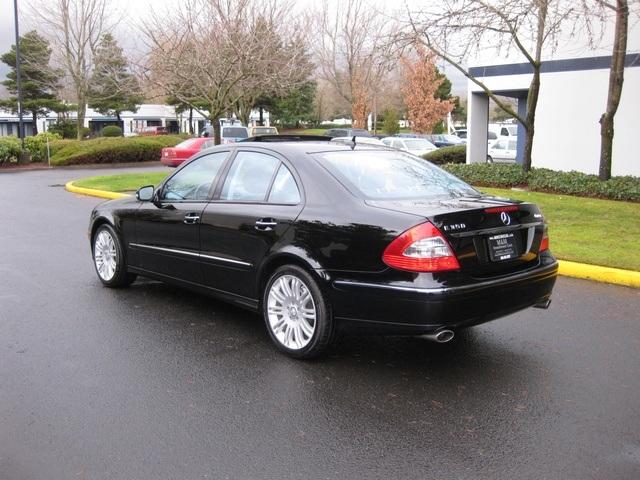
<point>402,309</point>
<point>172,161</point>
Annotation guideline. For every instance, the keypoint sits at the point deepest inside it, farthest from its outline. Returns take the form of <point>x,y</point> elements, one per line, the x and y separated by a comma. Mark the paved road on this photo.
<point>156,383</point>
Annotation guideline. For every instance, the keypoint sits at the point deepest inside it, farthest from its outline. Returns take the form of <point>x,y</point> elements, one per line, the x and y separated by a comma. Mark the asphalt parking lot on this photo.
<point>152,382</point>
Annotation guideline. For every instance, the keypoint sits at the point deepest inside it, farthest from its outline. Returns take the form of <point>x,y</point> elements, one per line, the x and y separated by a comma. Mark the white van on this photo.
<point>504,129</point>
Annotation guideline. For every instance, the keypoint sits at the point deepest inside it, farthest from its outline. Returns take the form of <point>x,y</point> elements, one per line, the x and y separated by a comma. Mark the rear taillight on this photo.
<point>169,152</point>
<point>544,244</point>
<point>422,248</point>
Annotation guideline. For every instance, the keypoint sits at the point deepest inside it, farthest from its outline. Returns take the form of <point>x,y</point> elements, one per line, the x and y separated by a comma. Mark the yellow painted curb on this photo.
<point>70,187</point>
<point>616,276</point>
<point>600,274</point>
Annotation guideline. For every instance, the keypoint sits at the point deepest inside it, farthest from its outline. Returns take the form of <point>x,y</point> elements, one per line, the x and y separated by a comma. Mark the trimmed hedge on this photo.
<point>453,154</point>
<point>111,150</point>
<point>111,131</point>
<point>545,180</point>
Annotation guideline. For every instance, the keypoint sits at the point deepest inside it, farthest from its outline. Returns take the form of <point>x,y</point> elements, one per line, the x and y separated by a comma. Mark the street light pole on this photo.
<point>18,84</point>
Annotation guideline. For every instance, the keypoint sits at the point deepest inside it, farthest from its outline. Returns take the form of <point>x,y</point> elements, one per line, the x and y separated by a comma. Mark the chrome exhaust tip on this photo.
<point>544,304</point>
<point>441,336</point>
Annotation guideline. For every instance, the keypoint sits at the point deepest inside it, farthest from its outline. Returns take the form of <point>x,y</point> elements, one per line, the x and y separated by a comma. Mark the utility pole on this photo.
<point>20,121</point>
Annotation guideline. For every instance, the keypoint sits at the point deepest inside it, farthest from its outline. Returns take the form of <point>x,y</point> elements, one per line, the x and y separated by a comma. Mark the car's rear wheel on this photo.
<point>108,258</point>
<point>296,313</point>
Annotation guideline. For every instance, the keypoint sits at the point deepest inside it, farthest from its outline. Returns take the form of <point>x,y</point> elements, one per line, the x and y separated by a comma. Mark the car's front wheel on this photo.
<point>489,159</point>
<point>296,313</point>
<point>108,258</point>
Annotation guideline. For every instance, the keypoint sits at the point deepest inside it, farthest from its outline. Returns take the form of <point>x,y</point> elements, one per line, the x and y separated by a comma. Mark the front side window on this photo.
<point>284,189</point>
<point>193,182</point>
<point>388,174</point>
<point>512,145</point>
<point>249,178</point>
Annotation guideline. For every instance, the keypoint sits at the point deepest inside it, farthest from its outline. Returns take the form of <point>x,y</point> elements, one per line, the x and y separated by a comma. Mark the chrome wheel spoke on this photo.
<point>291,312</point>
<point>105,255</point>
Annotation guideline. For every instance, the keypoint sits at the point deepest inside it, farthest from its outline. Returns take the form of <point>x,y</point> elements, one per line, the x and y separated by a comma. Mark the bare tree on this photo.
<point>218,56</point>
<point>76,27</point>
<point>354,52</point>
<point>616,79</point>
<point>454,30</point>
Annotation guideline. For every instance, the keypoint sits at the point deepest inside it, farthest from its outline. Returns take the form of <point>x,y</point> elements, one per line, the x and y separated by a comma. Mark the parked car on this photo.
<point>174,156</point>
<point>442,140</point>
<point>504,130</point>
<point>257,131</point>
<point>415,146</point>
<point>228,133</point>
<point>149,131</point>
<point>347,132</point>
<point>461,133</point>
<point>319,237</point>
<point>502,150</point>
<point>359,140</point>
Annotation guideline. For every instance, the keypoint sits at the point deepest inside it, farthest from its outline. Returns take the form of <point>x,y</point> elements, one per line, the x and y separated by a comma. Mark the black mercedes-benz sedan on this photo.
<point>321,237</point>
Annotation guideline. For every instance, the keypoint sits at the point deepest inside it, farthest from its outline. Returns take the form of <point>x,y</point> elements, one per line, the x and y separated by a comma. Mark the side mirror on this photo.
<point>145,194</point>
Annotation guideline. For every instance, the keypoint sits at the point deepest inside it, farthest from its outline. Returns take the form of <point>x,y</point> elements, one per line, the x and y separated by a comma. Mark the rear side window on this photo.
<point>391,174</point>
<point>249,178</point>
<point>284,189</point>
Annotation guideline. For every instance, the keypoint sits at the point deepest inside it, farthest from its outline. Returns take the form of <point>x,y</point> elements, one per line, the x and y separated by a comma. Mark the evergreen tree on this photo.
<point>295,107</point>
<point>113,89</point>
<point>39,81</point>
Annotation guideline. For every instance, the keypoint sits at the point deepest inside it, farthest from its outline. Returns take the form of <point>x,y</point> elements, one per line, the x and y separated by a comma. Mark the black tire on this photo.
<point>120,277</point>
<point>489,159</point>
<point>323,328</point>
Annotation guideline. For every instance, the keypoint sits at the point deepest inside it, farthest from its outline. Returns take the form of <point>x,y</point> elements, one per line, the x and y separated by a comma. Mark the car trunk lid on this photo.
<point>490,236</point>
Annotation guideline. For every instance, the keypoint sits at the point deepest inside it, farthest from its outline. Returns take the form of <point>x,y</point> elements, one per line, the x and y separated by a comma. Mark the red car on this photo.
<point>174,156</point>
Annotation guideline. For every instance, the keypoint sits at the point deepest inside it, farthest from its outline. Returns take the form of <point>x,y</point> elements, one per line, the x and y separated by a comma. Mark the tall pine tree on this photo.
<point>113,88</point>
<point>39,81</point>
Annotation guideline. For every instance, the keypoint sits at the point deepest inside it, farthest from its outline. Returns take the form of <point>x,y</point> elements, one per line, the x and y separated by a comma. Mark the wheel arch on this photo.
<point>288,257</point>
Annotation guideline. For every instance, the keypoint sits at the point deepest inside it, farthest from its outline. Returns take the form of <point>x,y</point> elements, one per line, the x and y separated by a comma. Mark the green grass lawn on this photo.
<point>127,182</point>
<point>587,230</point>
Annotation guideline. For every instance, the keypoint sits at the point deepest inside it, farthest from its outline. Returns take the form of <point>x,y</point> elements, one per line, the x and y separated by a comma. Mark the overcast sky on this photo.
<point>133,11</point>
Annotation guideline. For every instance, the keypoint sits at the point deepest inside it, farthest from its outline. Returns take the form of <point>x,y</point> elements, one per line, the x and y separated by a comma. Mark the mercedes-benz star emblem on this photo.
<point>506,219</point>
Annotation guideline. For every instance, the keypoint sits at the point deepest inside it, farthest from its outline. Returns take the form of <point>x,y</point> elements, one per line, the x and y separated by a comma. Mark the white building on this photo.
<point>573,94</point>
<point>148,115</point>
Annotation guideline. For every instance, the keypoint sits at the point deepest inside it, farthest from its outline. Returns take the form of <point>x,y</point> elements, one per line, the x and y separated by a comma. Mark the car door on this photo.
<point>168,229</point>
<point>252,210</point>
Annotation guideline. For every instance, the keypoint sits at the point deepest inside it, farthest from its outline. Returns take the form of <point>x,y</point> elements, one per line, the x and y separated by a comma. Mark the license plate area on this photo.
<point>502,247</point>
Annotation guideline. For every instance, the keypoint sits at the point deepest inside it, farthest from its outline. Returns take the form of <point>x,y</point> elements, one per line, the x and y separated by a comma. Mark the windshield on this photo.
<point>513,130</point>
<point>234,132</point>
<point>387,175</point>
<point>419,144</point>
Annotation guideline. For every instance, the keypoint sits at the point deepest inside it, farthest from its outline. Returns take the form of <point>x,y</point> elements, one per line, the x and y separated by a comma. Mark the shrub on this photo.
<point>545,180</point>
<point>454,154</point>
<point>391,124</point>
<point>112,150</point>
<point>37,145</point>
<point>111,131</point>
<point>67,129</point>
<point>9,149</point>
<point>489,174</point>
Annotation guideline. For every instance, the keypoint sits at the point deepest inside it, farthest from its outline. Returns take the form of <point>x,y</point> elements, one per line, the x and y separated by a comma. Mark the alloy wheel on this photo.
<point>104,255</point>
<point>291,312</point>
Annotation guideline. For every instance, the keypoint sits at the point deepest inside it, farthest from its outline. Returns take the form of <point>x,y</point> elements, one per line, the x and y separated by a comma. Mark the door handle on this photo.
<point>265,224</point>
<point>191,218</point>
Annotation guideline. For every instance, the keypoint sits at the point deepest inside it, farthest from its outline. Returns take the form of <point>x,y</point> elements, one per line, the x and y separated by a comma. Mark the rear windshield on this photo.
<point>385,175</point>
<point>188,143</point>
<point>234,132</point>
<point>419,144</point>
<point>359,132</point>
<point>264,130</point>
